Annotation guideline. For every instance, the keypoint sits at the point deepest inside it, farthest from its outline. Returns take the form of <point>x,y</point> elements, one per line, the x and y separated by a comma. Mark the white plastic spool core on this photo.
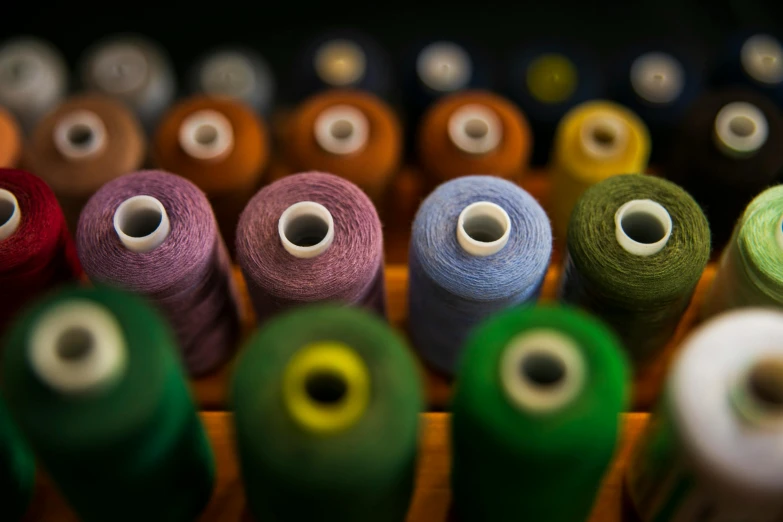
<point>759,394</point>
<point>444,67</point>
<point>342,129</point>
<point>740,129</point>
<point>657,77</point>
<point>475,129</point>
<point>141,223</point>
<point>80,135</point>
<point>120,68</point>
<point>340,63</point>
<point>762,58</point>
<point>603,136</point>
<point>483,228</point>
<point>206,135</point>
<point>77,347</point>
<point>542,371</point>
<point>229,74</point>
<point>642,227</point>
<point>10,214</point>
<point>306,229</point>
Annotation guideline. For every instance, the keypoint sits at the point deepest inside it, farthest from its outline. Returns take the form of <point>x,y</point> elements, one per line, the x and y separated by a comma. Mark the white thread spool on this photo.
<point>10,214</point>
<point>542,371</point>
<point>657,78</point>
<point>475,129</point>
<point>483,228</point>
<point>340,63</point>
<point>206,135</point>
<point>603,136</point>
<point>740,129</point>
<point>141,223</point>
<point>77,347</point>
<point>80,135</point>
<point>342,129</point>
<point>642,227</point>
<point>444,67</point>
<point>120,68</point>
<point>306,229</point>
<point>762,58</point>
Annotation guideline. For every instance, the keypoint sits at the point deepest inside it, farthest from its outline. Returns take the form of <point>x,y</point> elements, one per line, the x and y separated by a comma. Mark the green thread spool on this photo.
<point>327,403</point>
<point>536,416</point>
<point>17,470</point>
<point>637,246</point>
<point>751,267</point>
<point>92,378</point>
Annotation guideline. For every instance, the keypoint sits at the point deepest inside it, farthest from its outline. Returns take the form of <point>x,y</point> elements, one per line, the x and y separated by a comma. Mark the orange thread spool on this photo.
<point>10,140</point>
<point>220,145</point>
<point>474,132</point>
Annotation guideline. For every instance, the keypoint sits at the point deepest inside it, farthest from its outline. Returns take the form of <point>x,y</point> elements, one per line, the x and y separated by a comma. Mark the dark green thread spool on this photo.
<point>17,470</point>
<point>92,379</point>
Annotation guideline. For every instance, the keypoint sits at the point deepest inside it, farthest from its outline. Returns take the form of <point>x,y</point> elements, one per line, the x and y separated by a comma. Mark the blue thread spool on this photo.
<point>752,60</point>
<point>480,244</point>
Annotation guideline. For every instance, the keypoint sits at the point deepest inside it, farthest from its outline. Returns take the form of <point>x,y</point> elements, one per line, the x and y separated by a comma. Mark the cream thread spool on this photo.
<point>444,67</point>
<point>141,223</point>
<point>762,59</point>
<point>657,78</point>
<point>10,214</point>
<point>306,229</point>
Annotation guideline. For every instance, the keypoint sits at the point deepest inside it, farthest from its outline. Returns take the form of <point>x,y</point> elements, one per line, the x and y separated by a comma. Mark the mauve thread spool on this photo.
<point>85,142</point>
<point>154,233</point>
<point>133,69</point>
<point>311,237</point>
<point>10,140</point>
<point>220,145</point>
<point>474,131</point>
<point>33,79</point>
<point>752,60</point>
<point>727,151</point>
<point>352,134</point>
<point>36,249</point>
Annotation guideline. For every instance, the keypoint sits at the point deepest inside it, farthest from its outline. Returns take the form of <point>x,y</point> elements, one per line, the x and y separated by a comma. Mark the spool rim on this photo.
<point>199,126</point>
<point>129,214</point>
<point>328,123</point>
<point>488,132</point>
<point>340,62</point>
<point>745,394</point>
<point>120,68</point>
<point>220,73</point>
<point>71,125</point>
<point>651,210</point>
<point>657,77</point>
<point>305,209</point>
<point>740,115</point>
<point>483,210</point>
<point>444,66</point>
<point>613,128</point>
<point>10,224</point>
<point>762,59</point>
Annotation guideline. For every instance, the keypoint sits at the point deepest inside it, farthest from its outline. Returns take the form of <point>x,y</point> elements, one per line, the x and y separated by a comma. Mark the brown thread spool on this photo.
<point>85,142</point>
<point>348,133</point>
<point>474,132</point>
<point>220,145</point>
<point>10,140</point>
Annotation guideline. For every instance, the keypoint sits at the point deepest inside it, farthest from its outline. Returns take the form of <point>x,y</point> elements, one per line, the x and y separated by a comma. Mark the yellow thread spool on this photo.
<point>326,387</point>
<point>594,140</point>
<point>552,78</point>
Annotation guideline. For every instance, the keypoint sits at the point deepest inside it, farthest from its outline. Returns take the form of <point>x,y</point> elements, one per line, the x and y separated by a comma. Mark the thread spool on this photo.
<point>237,73</point>
<point>33,79</point>
<point>594,141</point>
<point>726,154</point>
<point>221,146</point>
<point>85,142</point>
<point>334,242</point>
<point>342,59</point>
<point>17,470</point>
<point>314,392</point>
<point>472,132</point>
<point>479,245</point>
<point>36,249</point>
<point>134,70</point>
<point>352,134</point>
<point>711,449</point>
<point>637,246</point>
<point>154,234</point>
<point>538,388</point>
<point>10,140</point>
<point>546,80</point>
<point>93,381</point>
<point>754,61</point>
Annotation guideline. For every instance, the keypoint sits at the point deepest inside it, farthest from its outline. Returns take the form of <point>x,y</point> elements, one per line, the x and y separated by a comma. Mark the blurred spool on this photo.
<point>352,134</point>
<point>17,470</point>
<point>712,450</point>
<point>752,60</point>
<point>479,245</point>
<point>237,73</point>
<point>547,80</point>
<point>327,404</point>
<point>474,132</point>
<point>33,79</point>
<point>595,140</point>
<point>637,246</point>
<point>133,69</point>
<point>342,59</point>
<point>727,152</point>
<point>751,268</point>
<point>314,228</point>
<point>539,389</point>
<point>221,146</point>
<point>154,234</point>
<point>10,140</point>
<point>36,249</point>
<point>92,378</point>
<point>85,142</point>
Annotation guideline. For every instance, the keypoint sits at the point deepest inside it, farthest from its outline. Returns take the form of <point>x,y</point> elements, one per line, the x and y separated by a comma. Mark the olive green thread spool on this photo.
<point>17,470</point>
<point>637,246</point>
<point>92,379</point>
<point>536,416</point>
<point>326,403</point>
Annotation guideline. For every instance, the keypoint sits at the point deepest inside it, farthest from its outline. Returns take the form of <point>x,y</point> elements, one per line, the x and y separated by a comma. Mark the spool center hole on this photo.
<point>206,135</point>
<point>765,384</point>
<point>342,129</point>
<point>476,128</point>
<point>604,136</point>
<point>80,135</point>
<point>325,387</point>
<point>141,222</point>
<point>643,227</point>
<point>306,230</point>
<point>543,369</point>
<point>18,70</point>
<point>485,229</point>
<point>75,344</point>
<point>742,126</point>
<point>7,210</point>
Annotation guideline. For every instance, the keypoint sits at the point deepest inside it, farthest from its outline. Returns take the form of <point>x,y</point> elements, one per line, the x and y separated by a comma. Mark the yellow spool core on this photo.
<point>326,387</point>
<point>552,78</point>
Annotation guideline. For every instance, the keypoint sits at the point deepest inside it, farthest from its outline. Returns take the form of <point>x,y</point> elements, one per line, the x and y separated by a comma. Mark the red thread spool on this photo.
<point>36,249</point>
